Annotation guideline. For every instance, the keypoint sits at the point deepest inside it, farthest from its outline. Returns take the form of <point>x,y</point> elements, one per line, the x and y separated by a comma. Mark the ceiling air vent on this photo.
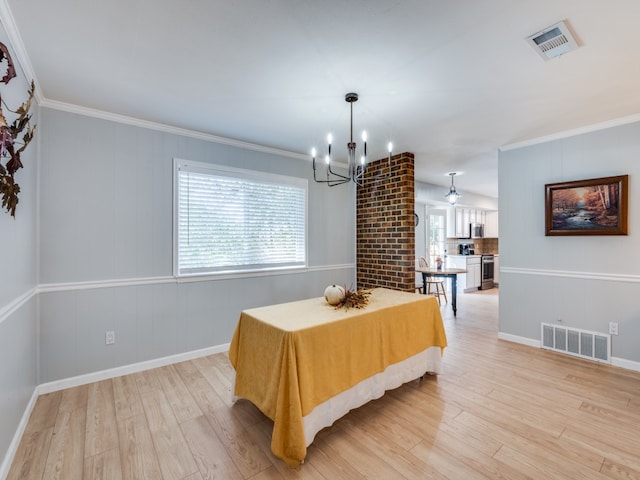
<point>553,41</point>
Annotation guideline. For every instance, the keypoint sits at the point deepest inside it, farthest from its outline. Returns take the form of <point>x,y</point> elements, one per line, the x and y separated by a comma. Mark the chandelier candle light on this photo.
<point>356,168</point>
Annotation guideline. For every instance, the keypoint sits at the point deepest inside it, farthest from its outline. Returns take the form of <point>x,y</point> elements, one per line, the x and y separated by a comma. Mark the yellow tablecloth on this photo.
<point>294,356</point>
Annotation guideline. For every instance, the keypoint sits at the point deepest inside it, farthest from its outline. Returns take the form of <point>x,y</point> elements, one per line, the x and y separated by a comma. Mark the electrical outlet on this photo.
<point>110,337</point>
<point>613,328</point>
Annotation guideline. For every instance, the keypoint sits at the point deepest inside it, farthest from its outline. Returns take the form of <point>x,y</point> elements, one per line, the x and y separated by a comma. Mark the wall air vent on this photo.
<point>580,343</point>
<point>553,41</point>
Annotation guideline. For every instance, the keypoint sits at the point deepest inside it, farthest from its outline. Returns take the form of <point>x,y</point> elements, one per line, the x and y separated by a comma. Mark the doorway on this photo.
<point>436,235</point>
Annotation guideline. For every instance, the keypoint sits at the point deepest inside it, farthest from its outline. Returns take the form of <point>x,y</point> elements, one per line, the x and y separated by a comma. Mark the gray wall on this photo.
<point>584,281</point>
<point>106,216</point>
<point>18,274</point>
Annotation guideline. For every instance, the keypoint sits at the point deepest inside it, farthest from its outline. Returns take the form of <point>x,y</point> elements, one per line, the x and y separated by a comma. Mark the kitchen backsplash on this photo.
<point>480,245</point>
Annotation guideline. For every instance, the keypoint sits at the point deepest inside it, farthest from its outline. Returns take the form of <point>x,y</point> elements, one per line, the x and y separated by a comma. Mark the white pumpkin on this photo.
<point>334,294</point>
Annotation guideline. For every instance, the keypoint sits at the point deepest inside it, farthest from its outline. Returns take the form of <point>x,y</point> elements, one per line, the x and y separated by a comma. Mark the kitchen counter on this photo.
<point>470,281</point>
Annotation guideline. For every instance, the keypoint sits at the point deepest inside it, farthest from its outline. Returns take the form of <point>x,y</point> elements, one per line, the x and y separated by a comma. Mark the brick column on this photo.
<point>385,232</point>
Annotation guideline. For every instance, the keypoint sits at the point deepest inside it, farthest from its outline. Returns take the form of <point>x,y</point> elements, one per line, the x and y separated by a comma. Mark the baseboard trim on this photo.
<point>627,364</point>
<point>17,436</point>
<point>128,369</point>
<point>516,339</point>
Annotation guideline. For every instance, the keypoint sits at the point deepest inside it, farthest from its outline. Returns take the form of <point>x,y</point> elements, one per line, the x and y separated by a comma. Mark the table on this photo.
<point>445,273</point>
<point>305,364</point>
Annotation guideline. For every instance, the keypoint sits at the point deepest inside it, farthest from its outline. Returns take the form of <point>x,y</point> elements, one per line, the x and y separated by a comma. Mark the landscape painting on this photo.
<point>587,207</point>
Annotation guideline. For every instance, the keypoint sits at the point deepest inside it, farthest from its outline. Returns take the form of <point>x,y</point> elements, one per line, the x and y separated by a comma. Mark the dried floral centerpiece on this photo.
<point>354,298</point>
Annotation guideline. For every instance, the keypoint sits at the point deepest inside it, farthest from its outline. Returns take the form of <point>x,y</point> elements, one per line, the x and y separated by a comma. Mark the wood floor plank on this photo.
<point>270,473</point>
<point>45,412</point>
<point>221,383</point>
<point>137,453</point>
<point>147,381</point>
<point>194,476</point>
<point>65,459</point>
<point>616,449</point>
<point>619,472</point>
<point>103,466</point>
<point>174,456</point>
<point>182,402</point>
<point>378,444</point>
<point>209,452</point>
<point>102,430</point>
<point>31,457</point>
<point>621,415</point>
<point>126,397</point>
<point>238,443</point>
<point>73,398</point>
<point>368,465</point>
<point>485,407</point>
<point>429,429</point>
<point>519,438</point>
<point>246,413</point>
<point>446,463</point>
<point>378,419</point>
<point>469,456</point>
<point>329,466</point>
<point>540,464</point>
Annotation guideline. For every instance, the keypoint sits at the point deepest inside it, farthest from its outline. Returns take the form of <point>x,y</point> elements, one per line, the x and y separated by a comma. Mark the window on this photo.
<point>231,220</point>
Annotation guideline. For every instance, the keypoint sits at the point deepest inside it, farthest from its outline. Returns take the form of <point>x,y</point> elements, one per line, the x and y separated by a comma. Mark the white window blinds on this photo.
<point>236,220</point>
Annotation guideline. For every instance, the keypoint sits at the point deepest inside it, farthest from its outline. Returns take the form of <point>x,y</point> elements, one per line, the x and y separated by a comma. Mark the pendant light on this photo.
<point>453,196</point>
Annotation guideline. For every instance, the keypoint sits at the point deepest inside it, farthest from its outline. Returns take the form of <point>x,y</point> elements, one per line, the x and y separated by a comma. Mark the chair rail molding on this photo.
<point>610,277</point>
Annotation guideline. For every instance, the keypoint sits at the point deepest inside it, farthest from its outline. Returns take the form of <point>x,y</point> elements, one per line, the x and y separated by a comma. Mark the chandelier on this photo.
<point>452,196</point>
<point>355,167</point>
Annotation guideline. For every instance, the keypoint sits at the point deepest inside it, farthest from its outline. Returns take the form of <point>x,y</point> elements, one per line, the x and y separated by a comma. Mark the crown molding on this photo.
<point>616,122</point>
<point>115,117</point>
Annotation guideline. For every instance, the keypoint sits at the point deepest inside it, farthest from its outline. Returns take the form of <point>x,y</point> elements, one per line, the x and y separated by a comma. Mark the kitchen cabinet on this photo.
<point>474,274</point>
<point>476,216</point>
<point>470,281</point>
<point>459,218</point>
<point>462,222</point>
<point>491,225</point>
<point>451,223</point>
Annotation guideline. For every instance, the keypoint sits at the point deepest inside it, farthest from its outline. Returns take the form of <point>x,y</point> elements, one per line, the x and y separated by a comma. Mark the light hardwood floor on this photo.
<point>499,410</point>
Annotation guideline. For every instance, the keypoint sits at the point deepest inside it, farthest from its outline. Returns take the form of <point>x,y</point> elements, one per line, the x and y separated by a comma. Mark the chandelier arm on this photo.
<point>330,181</point>
<point>337,174</point>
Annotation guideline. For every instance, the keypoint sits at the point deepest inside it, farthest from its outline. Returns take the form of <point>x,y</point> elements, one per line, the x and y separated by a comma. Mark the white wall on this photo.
<point>584,281</point>
<point>18,271</point>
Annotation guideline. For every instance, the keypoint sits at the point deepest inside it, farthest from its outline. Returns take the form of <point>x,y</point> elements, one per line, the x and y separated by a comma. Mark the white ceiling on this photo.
<point>450,81</point>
